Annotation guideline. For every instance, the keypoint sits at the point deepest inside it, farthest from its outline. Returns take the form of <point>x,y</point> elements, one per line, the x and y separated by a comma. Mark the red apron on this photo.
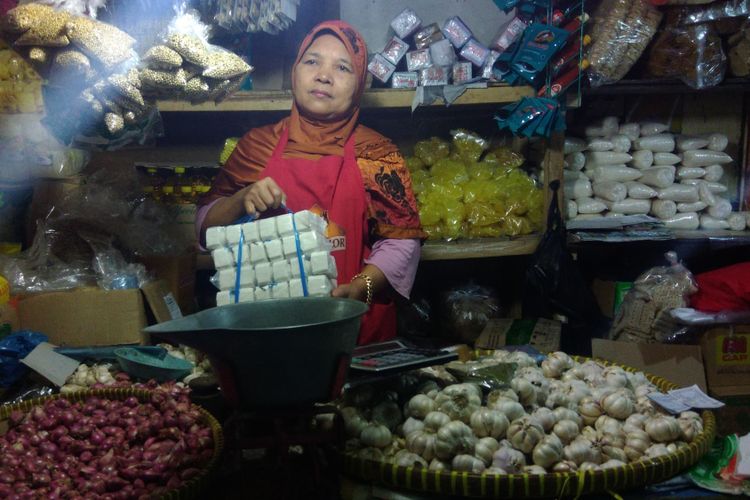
<point>335,184</point>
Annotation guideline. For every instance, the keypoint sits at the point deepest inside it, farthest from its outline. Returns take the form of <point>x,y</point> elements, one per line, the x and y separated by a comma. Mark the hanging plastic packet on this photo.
<point>532,116</point>
<point>502,68</point>
<point>570,75</point>
<point>540,42</point>
<point>507,5</point>
<point>509,34</point>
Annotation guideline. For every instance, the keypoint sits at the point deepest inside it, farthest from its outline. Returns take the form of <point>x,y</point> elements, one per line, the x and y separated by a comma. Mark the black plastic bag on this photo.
<point>554,287</point>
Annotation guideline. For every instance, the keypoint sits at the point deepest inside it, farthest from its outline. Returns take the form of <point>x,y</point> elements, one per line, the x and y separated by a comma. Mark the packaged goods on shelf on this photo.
<point>672,177</point>
<point>269,258</point>
<point>465,188</point>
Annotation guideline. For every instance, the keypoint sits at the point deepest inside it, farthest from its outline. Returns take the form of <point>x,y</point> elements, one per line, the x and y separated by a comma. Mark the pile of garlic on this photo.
<point>560,416</point>
<point>642,168</point>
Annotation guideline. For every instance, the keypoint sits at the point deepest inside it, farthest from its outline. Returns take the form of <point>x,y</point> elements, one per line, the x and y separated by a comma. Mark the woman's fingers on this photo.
<point>263,195</point>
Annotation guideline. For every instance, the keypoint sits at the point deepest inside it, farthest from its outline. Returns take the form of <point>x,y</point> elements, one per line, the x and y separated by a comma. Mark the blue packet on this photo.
<point>13,349</point>
<point>540,42</point>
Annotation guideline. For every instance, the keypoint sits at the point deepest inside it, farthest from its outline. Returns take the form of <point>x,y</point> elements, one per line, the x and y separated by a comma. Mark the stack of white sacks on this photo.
<point>270,267</point>
<point>641,168</point>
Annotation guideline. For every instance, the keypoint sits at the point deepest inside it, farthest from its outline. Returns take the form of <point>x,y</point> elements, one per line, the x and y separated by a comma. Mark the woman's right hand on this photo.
<point>261,195</point>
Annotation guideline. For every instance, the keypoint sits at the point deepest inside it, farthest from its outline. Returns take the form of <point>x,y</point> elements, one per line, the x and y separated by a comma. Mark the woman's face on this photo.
<point>324,80</point>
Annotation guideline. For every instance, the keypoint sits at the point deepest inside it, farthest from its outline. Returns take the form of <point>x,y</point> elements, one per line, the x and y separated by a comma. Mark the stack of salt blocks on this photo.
<point>270,266</point>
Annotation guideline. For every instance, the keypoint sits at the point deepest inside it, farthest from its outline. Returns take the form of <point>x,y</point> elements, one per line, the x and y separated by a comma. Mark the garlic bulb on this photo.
<point>636,420</point>
<point>534,470</point>
<point>588,466</point>
<point>410,425</point>
<point>435,420</point>
<point>611,464</point>
<point>589,433</point>
<point>608,425</point>
<point>439,465</point>
<point>575,391</point>
<point>568,376</point>
<point>487,422</point>
<point>387,413</point>
<point>555,364</point>
<point>354,422</point>
<point>522,359</point>
<point>527,394</point>
<point>565,466</point>
<point>614,376</point>
<point>509,459</point>
<point>408,459</point>
<point>545,418</point>
<point>566,430</point>
<point>644,405</point>
<point>360,396</point>
<point>643,390</point>
<point>397,444</point>
<point>429,388</point>
<point>376,435</point>
<point>511,409</point>
<point>496,394</point>
<point>525,433</point>
<point>458,401</point>
<point>590,410</point>
<point>468,463</point>
<point>612,447</point>
<point>601,392</point>
<point>690,427</point>
<point>636,443</point>
<point>422,443</point>
<point>485,449</point>
<point>656,450</point>
<point>454,438</point>
<point>619,404</point>
<point>371,454</point>
<point>686,415</point>
<point>663,428</point>
<point>567,414</point>
<point>493,471</point>
<point>548,451</point>
<point>578,451</point>
<point>419,406</point>
<point>638,379</point>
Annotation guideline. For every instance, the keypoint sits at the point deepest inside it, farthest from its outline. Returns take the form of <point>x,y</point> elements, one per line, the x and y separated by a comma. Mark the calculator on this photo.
<point>395,355</point>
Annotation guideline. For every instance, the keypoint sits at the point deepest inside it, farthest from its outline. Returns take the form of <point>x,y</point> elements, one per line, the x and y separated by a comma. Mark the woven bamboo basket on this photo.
<point>554,484</point>
<point>192,488</point>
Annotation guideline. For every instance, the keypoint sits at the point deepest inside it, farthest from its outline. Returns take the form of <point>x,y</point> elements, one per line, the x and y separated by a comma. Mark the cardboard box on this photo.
<point>543,334</point>
<point>726,355</point>
<point>179,273</point>
<point>681,364</point>
<point>92,316</point>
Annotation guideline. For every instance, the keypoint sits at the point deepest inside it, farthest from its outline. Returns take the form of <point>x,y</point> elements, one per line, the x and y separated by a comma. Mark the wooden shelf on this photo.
<point>281,100</point>
<point>480,248</point>
<point>665,87</point>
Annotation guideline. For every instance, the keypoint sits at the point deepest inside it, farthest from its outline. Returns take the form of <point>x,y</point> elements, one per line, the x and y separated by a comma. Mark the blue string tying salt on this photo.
<point>302,275</point>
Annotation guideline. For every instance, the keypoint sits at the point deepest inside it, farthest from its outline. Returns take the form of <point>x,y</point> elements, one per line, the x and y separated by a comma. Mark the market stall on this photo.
<point>561,184</point>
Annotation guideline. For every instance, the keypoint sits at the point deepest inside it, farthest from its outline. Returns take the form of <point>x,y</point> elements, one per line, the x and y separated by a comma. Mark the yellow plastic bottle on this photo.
<point>4,290</point>
<point>183,187</point>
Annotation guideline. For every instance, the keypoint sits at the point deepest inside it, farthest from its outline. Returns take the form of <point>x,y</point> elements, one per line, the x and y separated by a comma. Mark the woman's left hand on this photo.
<point>356,290</point>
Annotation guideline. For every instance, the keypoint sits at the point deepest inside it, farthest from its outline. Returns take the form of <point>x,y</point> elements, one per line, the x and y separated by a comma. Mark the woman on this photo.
<point>320,157</point>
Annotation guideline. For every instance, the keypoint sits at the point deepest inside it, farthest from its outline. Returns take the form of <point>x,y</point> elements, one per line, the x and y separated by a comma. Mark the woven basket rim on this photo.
<point>189,489</point>
<point>633,474</point>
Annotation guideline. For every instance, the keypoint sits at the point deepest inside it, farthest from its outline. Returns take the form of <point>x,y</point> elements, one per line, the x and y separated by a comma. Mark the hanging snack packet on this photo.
<point>395,49</point>
<point>475,52</point>
<point>540,42</point>
<point>508,34</point>
<point>381,67</point>
<point>456,31</point>
<point>427,36</point>
<point>418,59</point>
<point>406,23</point>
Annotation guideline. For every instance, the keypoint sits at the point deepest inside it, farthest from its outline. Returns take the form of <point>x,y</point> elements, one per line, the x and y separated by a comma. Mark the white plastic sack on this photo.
<point>629,206</point>
<point>575,161</point>
<point>610,190</point>
<point>620,143</point>
<point>737,221</point>
<point>708,222</point>
<point>590,206</point>
<point>679,192</point>
<point>659,143</point>
<point>666,159</point>
<point>704,158</point>
<point>706,195</point>
<point>686,142</point>
<point>571,209</point>
<point>663,209</point>
<point>717,142</point>
<point>640,191</point>
<point>587,216</point>
<point>690,172</point>
<point>658,177</point>
<point>713,173</point>
<point>573,145</point>
<point>721,209</point>
<point>687,220</point>
<point>631,130</point>
<point>600,144</point>
<point>595,158</point>
<point>642,159</point>
<point>577,188</point>
<point>696,206</point>
<point>652,128</point>
<point>618,173</point>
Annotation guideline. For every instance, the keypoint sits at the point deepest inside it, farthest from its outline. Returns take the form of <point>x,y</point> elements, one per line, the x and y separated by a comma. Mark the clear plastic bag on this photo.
<point>644,316</point>
<point>620,31</point>
<point>692,53</point>
<point>467,309</point>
